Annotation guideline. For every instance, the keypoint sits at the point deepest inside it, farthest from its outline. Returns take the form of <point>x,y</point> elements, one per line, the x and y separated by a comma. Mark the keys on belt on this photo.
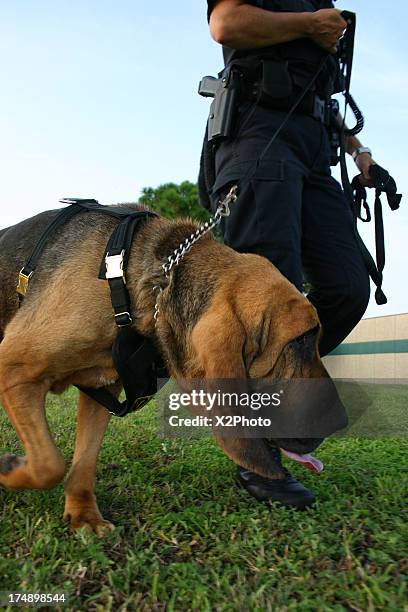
<point>321,110</point>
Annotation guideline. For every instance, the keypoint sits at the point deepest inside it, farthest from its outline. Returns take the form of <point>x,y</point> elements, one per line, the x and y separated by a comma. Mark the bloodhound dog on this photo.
<point>222,315</point>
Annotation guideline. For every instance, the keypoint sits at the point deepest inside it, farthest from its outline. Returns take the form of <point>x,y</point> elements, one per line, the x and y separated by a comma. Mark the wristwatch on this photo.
<point>360,151</point>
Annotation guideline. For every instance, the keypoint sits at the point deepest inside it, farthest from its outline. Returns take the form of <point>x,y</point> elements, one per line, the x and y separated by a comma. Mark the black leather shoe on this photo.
<point>288,492</point>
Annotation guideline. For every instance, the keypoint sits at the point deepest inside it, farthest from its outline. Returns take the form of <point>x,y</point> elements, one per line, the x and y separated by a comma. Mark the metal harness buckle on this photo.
<point>23,280</point>
<point>123,319</point>
<point>114,266</point>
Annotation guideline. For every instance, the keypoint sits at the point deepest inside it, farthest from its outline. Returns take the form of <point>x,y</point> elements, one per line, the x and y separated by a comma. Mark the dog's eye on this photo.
<point>304,345</point>
<point>307,337</point>
<point>262,333</point>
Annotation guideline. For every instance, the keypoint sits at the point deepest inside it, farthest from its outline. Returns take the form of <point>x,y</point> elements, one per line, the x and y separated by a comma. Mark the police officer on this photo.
<point>293,211</point>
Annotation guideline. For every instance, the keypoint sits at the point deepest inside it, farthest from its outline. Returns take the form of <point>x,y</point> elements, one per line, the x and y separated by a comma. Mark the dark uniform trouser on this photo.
<point>294,213</point>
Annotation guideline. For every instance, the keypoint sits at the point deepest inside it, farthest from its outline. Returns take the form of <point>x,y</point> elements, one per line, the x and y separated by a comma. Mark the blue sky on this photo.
<point>100,99</point>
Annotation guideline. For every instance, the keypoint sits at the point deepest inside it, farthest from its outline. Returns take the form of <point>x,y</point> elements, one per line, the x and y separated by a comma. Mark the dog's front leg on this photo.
<point>43,466</point>
<point>81,508</point>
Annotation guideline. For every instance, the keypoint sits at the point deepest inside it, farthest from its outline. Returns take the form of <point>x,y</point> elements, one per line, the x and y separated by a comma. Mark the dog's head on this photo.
<point>257,325</point>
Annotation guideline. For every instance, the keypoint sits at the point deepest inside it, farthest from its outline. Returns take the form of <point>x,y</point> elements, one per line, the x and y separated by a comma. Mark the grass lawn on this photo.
<point>187,539</point>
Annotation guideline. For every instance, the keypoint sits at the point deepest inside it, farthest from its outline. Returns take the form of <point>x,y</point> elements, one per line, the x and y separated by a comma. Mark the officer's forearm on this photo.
<point>243,26</point>
<point>352,143</point>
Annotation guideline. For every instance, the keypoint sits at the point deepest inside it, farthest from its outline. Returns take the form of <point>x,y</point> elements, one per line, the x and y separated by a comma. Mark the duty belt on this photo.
<point>312,105</point>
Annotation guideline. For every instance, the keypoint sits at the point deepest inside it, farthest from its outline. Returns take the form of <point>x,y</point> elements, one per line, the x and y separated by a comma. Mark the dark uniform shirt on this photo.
<point>303,54</point>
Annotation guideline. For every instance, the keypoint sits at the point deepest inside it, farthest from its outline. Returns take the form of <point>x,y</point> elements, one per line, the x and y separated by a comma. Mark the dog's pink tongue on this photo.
<point>311,463</point>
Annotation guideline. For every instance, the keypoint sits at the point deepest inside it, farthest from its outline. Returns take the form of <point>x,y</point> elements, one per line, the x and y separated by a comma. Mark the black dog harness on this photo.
<point>135,357</point>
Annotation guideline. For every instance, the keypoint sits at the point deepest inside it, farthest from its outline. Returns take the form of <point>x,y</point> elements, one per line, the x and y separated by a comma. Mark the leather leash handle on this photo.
<point>348,43</point>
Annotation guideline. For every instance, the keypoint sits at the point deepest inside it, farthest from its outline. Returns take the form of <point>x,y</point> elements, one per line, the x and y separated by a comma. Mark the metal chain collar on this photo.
<point>223,210</point>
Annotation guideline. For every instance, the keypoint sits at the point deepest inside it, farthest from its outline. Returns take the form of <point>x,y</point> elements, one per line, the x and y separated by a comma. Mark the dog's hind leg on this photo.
<point>43,466</point>
<point>81,508</point>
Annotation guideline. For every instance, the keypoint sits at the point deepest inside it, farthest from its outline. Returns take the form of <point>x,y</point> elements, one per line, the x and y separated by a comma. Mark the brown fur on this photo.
<point>222,315</point>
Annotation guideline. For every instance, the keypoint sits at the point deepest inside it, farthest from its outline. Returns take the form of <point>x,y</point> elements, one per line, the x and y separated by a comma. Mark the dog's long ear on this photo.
<point>218,341</point>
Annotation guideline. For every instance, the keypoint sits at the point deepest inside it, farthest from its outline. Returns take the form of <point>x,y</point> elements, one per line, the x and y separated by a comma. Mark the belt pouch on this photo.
<point>276,82</point>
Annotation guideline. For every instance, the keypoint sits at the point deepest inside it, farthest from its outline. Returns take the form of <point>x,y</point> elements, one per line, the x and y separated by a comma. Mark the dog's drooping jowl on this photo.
<point>223,315</point>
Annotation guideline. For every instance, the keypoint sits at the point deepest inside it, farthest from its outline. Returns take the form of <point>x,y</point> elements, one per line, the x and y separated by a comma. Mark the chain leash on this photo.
<point>173,260</point>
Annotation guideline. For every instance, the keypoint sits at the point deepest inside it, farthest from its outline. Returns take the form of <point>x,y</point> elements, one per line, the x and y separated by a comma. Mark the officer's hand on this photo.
<point>327,27</point>
<point>363,163</point>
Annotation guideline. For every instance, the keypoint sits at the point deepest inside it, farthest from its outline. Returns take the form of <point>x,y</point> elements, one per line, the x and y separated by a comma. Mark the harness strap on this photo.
<point>76,205</point>
<point>139,365</point>
<point>115,263</point>
<point>28,270</point>
<point>106,399</point>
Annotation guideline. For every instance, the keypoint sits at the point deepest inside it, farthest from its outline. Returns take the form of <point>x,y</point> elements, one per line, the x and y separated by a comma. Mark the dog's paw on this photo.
<point>8,464</point>
<point>90,521</point>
